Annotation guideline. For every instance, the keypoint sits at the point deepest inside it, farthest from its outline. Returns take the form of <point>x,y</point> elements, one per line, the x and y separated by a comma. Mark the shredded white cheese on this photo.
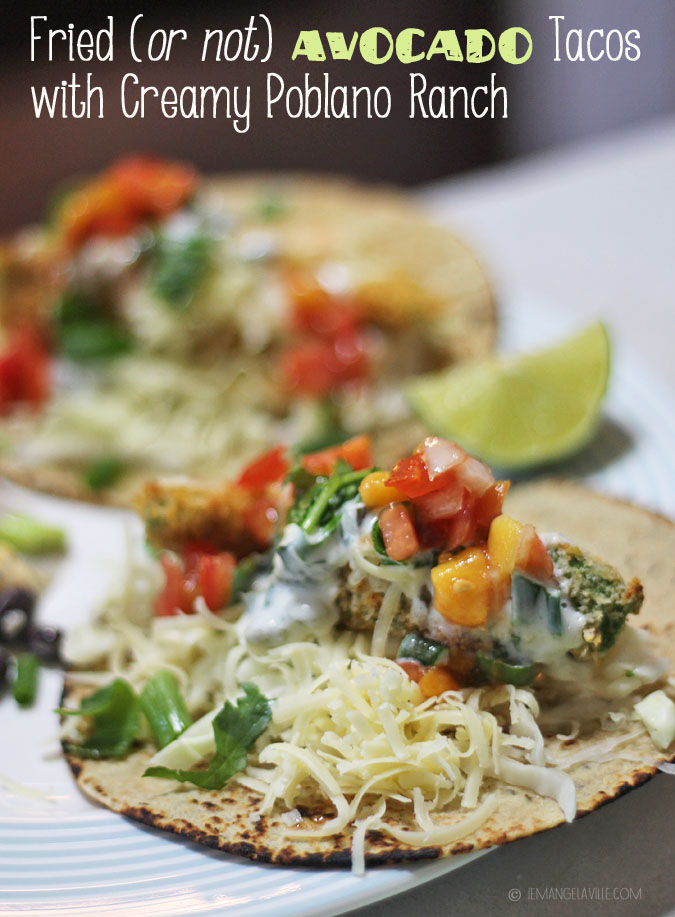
<point>384,618</point>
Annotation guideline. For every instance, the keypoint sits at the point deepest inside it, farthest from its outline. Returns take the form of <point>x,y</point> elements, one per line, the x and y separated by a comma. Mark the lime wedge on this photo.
<point>519,412</point>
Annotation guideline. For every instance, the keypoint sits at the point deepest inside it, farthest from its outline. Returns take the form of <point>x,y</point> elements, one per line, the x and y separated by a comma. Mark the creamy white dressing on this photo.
<point>296,599</point>
<point>538,642</point>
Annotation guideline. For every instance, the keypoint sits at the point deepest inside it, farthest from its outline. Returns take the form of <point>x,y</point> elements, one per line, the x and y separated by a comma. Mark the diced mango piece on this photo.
<point>437,680</point>
<point>374,492</point>
<point>503,543</point>
<point>463,587</point>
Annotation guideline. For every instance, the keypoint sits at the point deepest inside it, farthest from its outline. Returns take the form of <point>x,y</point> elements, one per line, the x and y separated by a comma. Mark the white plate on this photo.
<point>60,854</point>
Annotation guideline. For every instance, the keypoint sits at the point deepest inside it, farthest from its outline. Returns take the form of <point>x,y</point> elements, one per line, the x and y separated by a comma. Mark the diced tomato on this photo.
<point>440,504</point>
<point>332,349</point>
<point>533,558</point>
<point>305,368</point>
<point>410,476</point>
<point>172,598</point>
<point>413,669</point>
<point>489,506</point>
<point>337,317</point>
<point>260,519</point>
<point>357,452</point>
<point>98,209</point>
<point>133,190</point>
<point>350,361</point>
<point>432,535</point>
<point>191,553</point>
<point>324,317</point>
<point>462,527</point>
<point>152,187</point>
<point>24,371</point>
<point>316,310</point>
<point>268,468</point>
<point>198,572</point>
<point>215,572</point>
<point>316,366</point>
<point>454,502</point>
<point>398,532</point>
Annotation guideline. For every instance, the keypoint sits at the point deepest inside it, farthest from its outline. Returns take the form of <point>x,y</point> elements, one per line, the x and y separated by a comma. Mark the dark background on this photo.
<point>549,103</point>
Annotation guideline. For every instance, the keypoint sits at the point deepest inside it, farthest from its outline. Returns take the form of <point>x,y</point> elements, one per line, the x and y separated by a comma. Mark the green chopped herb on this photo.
<point>179,268</point>
<point>85,342</point>
<point>75,306</point>
<point>164,708</point>
<point>328,496</point>
<point>86,333</point>
<point>24,688</point>
<point>425,651</point>
<point>115,714</point>
<point>235,729</point>
<point>103,472</point>
<point>502,671</point>
<point>30,536</point>
<point>306,487</point>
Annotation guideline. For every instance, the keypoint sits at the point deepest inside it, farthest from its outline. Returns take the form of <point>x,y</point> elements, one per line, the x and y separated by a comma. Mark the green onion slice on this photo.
<point>25,684</point>
<point>164,708</point>
<point>30,536</point>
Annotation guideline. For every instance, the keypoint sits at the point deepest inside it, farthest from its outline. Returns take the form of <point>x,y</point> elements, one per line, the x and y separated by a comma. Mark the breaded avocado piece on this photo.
<point>597,590</point>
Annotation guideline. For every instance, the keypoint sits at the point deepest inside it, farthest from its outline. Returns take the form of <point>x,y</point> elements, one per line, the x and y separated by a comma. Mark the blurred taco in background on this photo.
<point>167,323</point>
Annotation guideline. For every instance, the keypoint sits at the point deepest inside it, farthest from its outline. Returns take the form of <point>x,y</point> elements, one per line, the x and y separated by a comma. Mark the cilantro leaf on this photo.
<point>115,713</point>
<point>103,472</point>
<point>179,268</point>
<point>235,729</point>
<point>326,499</point>
<point>86,332</point>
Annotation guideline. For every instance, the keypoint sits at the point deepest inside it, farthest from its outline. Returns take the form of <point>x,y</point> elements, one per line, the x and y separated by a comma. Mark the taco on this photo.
<point>406,672</point>
<point>164,323</point>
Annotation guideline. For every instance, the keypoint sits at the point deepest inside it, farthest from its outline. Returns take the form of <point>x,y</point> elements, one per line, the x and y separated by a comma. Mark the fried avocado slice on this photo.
<point>598,591</point>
